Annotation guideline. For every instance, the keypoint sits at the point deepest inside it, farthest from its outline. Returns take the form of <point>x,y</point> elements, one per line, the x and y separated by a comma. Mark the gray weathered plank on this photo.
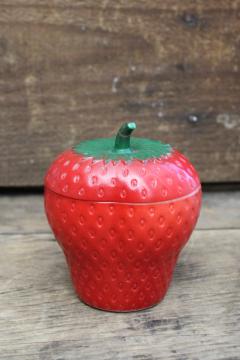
<point>42,319</point>
<point>25,214</point>
<point>71,70</point>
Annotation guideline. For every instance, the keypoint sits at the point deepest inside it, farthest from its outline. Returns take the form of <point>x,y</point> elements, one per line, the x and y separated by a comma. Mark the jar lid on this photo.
<point>123,169</point>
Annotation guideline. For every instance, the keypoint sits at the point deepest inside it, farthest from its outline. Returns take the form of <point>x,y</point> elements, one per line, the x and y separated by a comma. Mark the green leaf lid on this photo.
<point>123,169</point>
<point>123,146</point>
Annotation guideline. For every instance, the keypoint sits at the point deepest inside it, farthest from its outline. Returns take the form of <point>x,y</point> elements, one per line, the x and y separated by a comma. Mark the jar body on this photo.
<point>121,256</point>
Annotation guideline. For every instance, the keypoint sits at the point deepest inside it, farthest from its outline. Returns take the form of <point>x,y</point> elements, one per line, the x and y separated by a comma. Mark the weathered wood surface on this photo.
<point>42,319</point>
<point>71,70</point>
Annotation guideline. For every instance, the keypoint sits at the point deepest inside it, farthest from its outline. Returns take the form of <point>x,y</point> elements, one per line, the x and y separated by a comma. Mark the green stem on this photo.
<point>122,141</point>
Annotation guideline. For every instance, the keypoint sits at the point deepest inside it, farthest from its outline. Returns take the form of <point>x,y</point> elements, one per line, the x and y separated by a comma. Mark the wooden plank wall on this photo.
<point>71,70</point>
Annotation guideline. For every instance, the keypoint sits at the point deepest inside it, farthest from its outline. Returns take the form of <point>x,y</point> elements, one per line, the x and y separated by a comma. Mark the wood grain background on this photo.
<point>71,70</point>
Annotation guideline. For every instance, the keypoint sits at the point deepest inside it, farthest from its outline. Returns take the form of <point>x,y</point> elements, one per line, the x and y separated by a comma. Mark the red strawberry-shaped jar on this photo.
<point>122,209</point>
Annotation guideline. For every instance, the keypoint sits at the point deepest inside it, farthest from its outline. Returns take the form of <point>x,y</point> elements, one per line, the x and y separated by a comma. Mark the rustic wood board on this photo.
<point>42,319</point>
<point>25,214</point>
<point>71,70</point>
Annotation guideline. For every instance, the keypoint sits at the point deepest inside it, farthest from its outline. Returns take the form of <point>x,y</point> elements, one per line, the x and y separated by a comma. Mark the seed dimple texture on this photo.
<point>64,217</point>
<point>130,235</point>
<point>192,184</point>
<point>95,255</point>
<point>91,209</point>
<point>178,163</point>
<point>131,211</point>
<point>140,246</point>
<point>114,298</point>
<point>76,179</point>
<point>179,219</point>
<point>123,193</point>
<point>88,169</point>
<point>81,220</point>
<point>75,167</point>
<point>151,233</point>
<point>104,170</point>
<point>84,243</point>
<point>164,192</point>
<point>73,206</point>
<point>130,256</point>
<point>154,183</point>
<point>120,245</point>
<point>92,233</point>
<point>169,232</point>
<point>143,171</point>
<point>100,192</point>
<point>113,181</point>
<point>100,221</point>
<point>161,221</point>
<point>99,276</point>
<point>58,203</point>
<point>111,209</point>
<point>65,188</point>
<point>104,264</point>
<point>134,286</point>
<point>63,176</point>
<point>103,243</point>
<point>113,254</point>
<point>81,191</point>
<point>158,244</point>
<point>121,286</point>
<point>54,183</point>
<point>180,190</point>
<point>94,180</point>
<point>137,264</point>
<point>151,211</point>
<point>134,183</point>
<point>181,176</point>
<point>54,171</point>
<point>66,163</point>
<point>121,222</point>
<point>112,232</point>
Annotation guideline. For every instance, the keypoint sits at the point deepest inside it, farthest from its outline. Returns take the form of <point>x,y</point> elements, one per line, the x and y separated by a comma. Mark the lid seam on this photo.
<point>131,203</point>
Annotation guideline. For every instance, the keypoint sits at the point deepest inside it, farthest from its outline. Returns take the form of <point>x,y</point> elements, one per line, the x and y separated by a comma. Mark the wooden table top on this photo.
<point>41,318</point>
